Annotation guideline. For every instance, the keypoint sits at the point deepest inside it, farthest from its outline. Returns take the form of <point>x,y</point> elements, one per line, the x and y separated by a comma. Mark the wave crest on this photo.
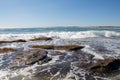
<point>63,35</point>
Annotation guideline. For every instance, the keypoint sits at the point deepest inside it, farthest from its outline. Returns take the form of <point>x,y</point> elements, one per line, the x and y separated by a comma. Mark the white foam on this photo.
<point>90,50</point>
<point>112,34</point>
<point>8,74</point>
<point>64,35</point>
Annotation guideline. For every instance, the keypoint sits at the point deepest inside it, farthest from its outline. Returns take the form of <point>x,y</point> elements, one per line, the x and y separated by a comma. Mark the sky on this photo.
<point>48,13</point>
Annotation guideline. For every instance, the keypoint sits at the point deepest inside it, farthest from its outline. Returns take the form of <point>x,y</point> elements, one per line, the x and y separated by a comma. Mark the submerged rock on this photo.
<point>30,57</point>
<point>5,50</point>
<point>52,71</point>
<point>106,65</point>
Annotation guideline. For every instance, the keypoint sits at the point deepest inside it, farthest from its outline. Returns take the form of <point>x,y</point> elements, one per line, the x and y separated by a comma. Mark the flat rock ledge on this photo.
<point>22,40</point>
<point>40,38</point>
<point>19,40</point>
<point>66,47</point>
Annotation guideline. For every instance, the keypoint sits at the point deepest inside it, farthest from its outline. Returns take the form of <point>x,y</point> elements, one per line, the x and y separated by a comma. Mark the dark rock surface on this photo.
<point>5,50</point>
<point>30,57</point>
<point>66,59</point>
<point>19,40</point>
<point>106,65</point>
<point>55,71</point>
<point>43,46</point>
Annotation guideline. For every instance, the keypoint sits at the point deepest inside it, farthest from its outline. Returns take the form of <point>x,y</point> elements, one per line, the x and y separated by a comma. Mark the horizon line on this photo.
<point>65,26</point>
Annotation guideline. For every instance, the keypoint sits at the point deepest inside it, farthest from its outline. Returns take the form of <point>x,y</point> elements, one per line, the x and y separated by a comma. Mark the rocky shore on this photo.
<point>72,62</point>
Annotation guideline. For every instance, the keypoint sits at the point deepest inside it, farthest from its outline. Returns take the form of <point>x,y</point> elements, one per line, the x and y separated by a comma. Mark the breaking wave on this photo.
<point>106,44</point>
<point>63,35</point>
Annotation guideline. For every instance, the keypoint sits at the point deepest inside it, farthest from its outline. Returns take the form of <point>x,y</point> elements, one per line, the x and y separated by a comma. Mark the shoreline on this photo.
<point>39,60</point>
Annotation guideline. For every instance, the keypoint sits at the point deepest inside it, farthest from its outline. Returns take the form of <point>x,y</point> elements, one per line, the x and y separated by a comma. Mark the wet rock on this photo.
<point>116,77</point>
<point>83,59</point>
<point>106,65</point>
<point>66,47</point>
<point>35,56</point>
<point>41,38</point>
<point>45,60</point>
<point>44,46</point>
<point>19,40</point>
<point>89,77</point>
<point>30,57</point>
<point>69,47</point>
<point>90,56</point>
<point>52,71</point>
<point>5,50</point>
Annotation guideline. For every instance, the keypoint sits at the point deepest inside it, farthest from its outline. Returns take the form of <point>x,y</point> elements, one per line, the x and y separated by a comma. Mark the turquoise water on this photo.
<point>54,29</point>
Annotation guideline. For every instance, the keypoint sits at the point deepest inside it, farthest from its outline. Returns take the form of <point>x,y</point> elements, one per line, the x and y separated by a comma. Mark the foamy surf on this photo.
<point>63,64</point>
<point>63,35</point>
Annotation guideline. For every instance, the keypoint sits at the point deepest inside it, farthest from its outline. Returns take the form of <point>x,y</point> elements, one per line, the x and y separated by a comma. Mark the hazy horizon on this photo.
<point>118,26</point>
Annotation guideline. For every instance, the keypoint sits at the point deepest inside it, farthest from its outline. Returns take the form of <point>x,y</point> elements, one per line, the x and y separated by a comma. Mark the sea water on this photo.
<point>91,38</point>
<point>53,29</point>
<point>61,32</point>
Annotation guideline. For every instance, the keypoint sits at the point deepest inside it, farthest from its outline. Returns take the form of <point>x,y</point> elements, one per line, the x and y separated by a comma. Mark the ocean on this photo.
<point>53,29</point>
<point>63,32</point>
<point>100,42</point>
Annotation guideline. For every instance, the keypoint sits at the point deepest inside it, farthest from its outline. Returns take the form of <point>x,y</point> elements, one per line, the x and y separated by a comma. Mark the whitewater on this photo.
<point>100,42</point>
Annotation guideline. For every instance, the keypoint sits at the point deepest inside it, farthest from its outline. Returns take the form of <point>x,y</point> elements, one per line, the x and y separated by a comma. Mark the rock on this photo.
<point>19,40</point>
<point>90,56</point>
<point>44,46</point>
<point>69,47</point>
<point>57,70</point>
<point>85,60</point>
<point>66,47</point>
<point>30,57</point>
<point>34,56</point>
<point>41,38</point>
<point>5,50</point>
<point>45,60</point>
<point>5,41</point>
<point>106,65</point>
<point>116,77</point>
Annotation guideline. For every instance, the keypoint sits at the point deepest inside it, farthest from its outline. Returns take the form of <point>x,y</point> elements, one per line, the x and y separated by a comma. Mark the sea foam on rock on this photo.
<point>69,60</point>
<point>81,60</point>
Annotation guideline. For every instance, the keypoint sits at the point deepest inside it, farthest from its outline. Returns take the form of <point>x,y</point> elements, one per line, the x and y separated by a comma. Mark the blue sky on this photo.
<point>40,13</point>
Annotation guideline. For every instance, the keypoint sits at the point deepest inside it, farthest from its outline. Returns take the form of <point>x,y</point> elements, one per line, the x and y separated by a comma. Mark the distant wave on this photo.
<point>63,35</point>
